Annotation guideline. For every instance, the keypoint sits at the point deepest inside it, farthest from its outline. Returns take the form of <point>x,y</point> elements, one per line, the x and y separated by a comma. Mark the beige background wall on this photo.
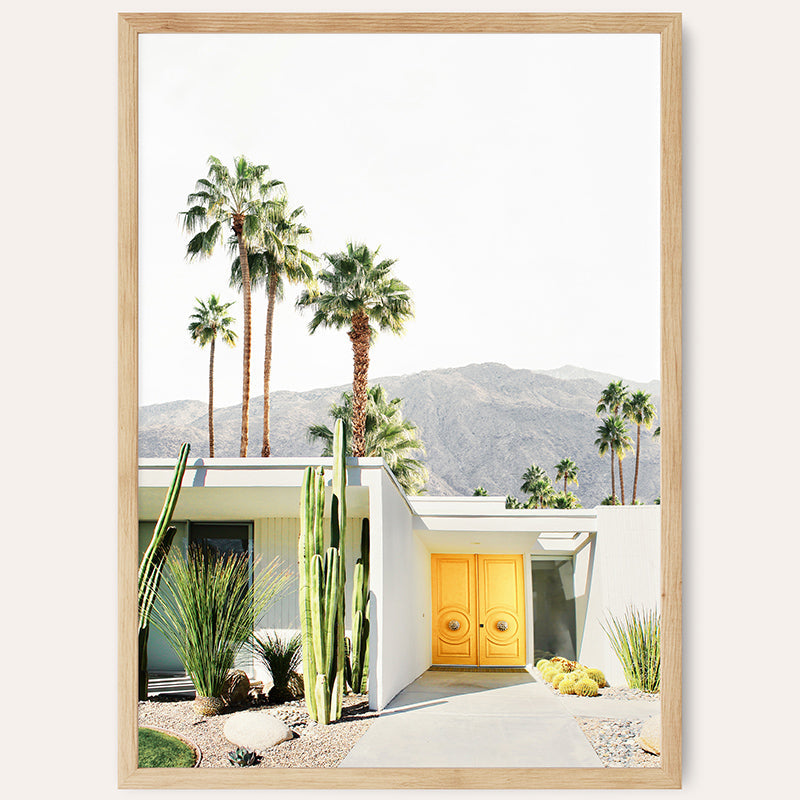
<point>58,398</point>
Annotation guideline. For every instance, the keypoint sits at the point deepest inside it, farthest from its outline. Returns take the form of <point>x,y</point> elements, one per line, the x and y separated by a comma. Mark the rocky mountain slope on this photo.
<point>482,424</point>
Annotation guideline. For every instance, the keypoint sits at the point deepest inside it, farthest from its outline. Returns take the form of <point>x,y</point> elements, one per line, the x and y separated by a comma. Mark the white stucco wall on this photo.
<point>400,644</point>
<point>619,568</point>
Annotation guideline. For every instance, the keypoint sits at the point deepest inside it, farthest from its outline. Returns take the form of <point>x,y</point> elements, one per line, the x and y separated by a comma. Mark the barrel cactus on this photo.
<point>586,687</point>
<point>567,685</point>
<point>597,676</point>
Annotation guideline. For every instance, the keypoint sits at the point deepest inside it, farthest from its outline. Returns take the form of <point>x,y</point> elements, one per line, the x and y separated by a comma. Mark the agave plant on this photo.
<point>206,611</point>
<point>242,757</point>
<point>282,658</point>
<point>636,639</point>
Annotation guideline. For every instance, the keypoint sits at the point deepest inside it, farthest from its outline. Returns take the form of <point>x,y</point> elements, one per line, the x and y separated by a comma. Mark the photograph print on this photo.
<point>399,357</point>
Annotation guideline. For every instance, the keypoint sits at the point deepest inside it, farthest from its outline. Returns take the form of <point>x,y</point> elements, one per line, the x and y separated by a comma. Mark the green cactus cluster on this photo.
<point>570,677</point>
<point>322,581</point>
<point>359,651</point>
<point>152,563</point>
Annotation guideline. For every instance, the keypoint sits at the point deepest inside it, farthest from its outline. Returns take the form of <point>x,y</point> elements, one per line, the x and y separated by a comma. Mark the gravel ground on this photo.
<point>313,746</point>
<point>614,740</point>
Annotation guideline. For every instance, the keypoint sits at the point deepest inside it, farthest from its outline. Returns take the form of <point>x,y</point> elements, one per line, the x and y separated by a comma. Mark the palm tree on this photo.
<point>605,443</point>
<point>359,293</point>
<point>480,492</point>
<point>208,321</point>
<point>387,436</point>
<point>612,399</point>
<point>220,202</point>
<point>567,470</point>
<point>657,432</point>
<point>640,411</point>
<point>565,500</point>
<point>277,256</point>
<point>542,494</point>
<point>531,475</point>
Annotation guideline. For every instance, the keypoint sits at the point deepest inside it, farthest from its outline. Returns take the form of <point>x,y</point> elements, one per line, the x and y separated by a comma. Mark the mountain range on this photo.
<point>482,425</point>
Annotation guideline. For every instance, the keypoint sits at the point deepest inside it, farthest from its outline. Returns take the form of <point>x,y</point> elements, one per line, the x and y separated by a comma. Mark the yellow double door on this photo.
<point>478,609</point>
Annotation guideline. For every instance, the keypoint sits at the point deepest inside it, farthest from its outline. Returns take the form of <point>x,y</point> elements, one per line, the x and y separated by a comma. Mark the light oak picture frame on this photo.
<point>668,27</point>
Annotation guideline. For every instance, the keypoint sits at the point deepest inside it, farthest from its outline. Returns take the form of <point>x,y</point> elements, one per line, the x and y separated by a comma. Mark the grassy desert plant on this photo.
<point>282,658</point>
<point>206,611</point>
<point>585,687</point>
<point>636,639</point>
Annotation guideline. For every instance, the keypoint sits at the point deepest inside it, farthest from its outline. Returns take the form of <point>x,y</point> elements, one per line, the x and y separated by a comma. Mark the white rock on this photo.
<point>650,735</point>
<point>255,730</point>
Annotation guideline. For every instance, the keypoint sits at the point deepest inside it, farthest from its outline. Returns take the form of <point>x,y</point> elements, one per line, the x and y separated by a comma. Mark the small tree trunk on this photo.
<point>211,401</point>
<point>613,485</point>
<point>621,483</point>
<point>359,336</point>
<point>238,228</point>
<point>636,471</point>
<point>273,290</point>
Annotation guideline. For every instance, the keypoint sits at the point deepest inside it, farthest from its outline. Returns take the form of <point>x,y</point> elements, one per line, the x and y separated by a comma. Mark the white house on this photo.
<point>453,580</point>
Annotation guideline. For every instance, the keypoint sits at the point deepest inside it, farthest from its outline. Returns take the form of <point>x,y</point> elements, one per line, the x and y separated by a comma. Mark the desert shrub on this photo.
<point>636,639</point>
<point>585,687</point>
<point>206,610</point>
<point>282,658</point>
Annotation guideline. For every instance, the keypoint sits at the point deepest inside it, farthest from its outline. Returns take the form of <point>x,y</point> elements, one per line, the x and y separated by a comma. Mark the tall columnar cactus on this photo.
<point>361,612</point>
<point>152,563</point>
<point>322,580</point>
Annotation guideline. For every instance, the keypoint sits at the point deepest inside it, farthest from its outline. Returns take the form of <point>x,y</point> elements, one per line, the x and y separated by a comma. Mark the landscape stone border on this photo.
<point>198,753</point>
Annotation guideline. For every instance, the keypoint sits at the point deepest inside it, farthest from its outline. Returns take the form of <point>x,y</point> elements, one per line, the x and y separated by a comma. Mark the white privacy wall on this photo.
<point>400,596</point>
<point>620,568</point>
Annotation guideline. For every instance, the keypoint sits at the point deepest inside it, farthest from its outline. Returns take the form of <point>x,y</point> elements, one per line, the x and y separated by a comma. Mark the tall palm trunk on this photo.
<point>359,336</point>
<point>238,229</point>
<point>211,401</point>
<point>565,486</point>
<point>273,290</point>
<point>621,483</point>
<point>613,485</point>
<point>636,471</point>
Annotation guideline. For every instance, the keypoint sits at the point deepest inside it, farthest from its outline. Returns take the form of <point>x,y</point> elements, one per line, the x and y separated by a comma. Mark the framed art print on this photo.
<point>399,401</point>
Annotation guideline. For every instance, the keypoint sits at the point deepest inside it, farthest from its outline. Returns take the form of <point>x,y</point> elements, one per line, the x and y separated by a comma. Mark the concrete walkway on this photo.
<point>467,719</point>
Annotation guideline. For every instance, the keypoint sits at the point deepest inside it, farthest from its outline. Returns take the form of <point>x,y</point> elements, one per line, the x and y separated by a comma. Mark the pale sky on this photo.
<point>515,178</point>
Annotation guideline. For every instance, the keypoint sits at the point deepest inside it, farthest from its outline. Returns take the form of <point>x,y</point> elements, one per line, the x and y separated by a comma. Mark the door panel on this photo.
<point>501,609</point>
<point>455,630</point>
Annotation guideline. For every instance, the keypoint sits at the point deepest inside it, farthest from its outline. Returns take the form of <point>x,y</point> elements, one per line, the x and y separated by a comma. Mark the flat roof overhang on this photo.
<point>244,488</point>
<point>538,531</point>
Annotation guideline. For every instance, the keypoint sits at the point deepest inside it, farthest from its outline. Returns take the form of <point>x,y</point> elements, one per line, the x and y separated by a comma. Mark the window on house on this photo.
<point>553,608</point>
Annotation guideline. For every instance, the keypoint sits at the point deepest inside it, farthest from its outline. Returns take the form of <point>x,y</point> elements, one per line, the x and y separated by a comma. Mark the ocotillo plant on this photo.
<point>322,579</point>
<point>360,612</point>
<point>152,563</point>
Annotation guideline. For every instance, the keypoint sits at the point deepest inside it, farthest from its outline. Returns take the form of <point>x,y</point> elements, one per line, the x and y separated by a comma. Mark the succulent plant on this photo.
<point>542,663</point>
<point>242,757</point>
<point>597,676</point>
<point>558,677</point>
<point>585,687</point>
<point>567,685</point>
<point>548,673</point>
